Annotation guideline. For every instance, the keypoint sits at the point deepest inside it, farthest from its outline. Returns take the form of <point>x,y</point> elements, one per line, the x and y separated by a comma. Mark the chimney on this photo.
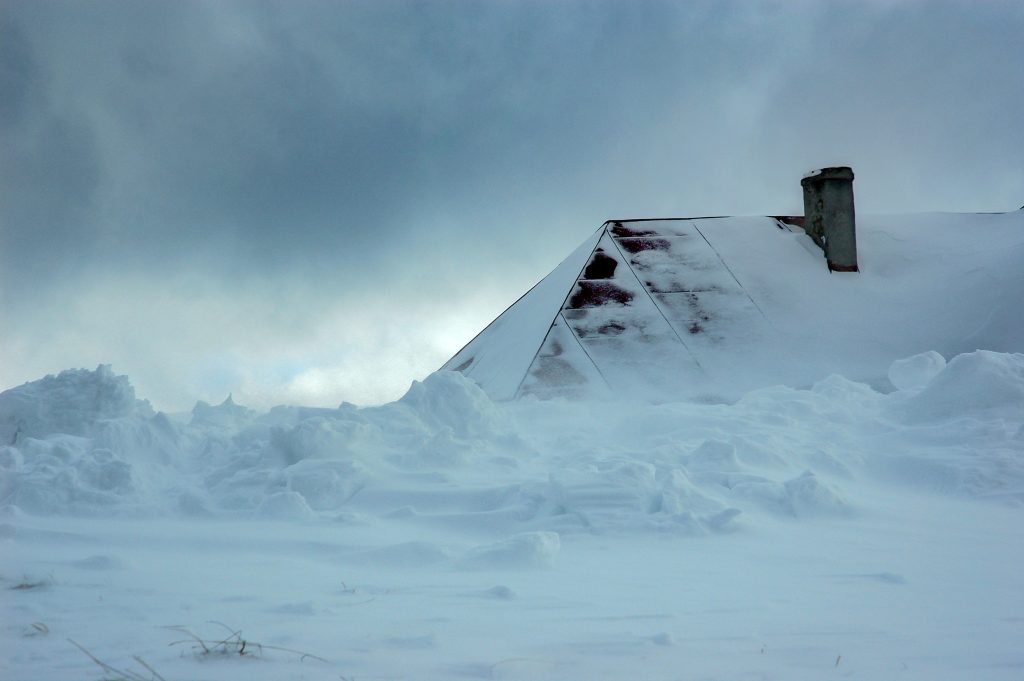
<point>829,216</point>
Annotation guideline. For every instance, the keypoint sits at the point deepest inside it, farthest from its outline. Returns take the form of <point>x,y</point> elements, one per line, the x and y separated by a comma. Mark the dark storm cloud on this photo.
<point>271,129</point>
<point>216,129</point>
<point>50,170</point>
<point>925,101</point>
<point>17,73</point>
<point>424,155</point>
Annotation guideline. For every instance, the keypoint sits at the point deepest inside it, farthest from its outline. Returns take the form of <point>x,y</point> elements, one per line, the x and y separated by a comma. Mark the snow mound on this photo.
<point>976,384</point>
<point>64,472</point>
<point>528,550</point>
<point>286,505</point>
<point>447,399</point>
<point>714,455</point>
<point>81,442</point>
<point>339,436</point>
<point>72,402</point>
<point>446,457</point>
<point>226,415</point>
<point>801,497</point>
<point>806,496</point>
<point>324,485</point>
<point>914,373</point>
<point>101,562</point>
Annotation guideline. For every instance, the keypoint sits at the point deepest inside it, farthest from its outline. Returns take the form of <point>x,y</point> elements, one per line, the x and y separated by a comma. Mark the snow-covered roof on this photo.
<point>713,307</point>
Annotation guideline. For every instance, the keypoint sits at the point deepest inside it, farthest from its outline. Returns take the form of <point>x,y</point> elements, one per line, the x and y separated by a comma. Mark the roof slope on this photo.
<point>713,307</point>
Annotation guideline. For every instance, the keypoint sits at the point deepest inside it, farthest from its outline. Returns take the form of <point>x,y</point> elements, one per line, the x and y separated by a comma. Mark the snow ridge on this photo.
<point>80,442</point>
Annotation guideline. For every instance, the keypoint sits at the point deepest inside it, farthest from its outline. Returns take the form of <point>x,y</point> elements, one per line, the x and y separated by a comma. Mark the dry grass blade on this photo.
<point>233,644</point>
<point>234,639</point>
<point>302,655</point>
<point>231,631</point>
<point>194,639</point>
<point>156,675</point>
<point>119,674</point>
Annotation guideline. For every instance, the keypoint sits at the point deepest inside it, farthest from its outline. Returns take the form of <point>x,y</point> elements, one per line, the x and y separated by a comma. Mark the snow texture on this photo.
<point>914,373</point>
<point>795,533</point>
<point>859,519</point>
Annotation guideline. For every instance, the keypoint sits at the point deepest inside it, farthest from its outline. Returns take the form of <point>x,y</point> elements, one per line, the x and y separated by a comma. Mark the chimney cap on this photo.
<point>831,173</point>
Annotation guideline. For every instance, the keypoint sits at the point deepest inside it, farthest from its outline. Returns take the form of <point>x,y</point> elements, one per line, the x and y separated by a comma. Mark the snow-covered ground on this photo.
<point>841,530</point>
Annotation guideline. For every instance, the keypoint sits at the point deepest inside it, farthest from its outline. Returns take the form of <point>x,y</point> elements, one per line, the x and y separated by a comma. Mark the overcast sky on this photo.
<point>310,202</point>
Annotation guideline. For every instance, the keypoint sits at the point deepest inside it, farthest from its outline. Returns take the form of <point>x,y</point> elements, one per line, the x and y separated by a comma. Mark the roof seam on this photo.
<point>586,261</point>
<point>495,321</point>
<point>584,349</point>
<point>695,217</point>
<point>731,273</point>
<point>658,307</point>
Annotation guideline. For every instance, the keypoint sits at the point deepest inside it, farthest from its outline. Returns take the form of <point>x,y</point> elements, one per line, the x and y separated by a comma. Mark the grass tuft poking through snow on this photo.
<point>233,644</point>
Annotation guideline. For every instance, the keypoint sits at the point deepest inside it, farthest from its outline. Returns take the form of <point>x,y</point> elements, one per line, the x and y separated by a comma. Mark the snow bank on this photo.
<point>81,442</point>
<point>979,384</point>
<point>914,373</point>
<point>446,456</point>
<point>522,551</point>
<point>448,400</point>
<point>72,402</point>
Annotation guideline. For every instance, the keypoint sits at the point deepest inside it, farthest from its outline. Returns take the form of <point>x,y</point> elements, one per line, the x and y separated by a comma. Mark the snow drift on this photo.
<point>794,533</point>
<point>445,454</point>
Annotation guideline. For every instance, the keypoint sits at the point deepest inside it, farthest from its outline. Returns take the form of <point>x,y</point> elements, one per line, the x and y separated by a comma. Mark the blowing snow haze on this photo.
<point>317,202</point>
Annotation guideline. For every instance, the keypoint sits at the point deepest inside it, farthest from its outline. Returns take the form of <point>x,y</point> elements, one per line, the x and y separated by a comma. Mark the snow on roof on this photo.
<point>713,307</point>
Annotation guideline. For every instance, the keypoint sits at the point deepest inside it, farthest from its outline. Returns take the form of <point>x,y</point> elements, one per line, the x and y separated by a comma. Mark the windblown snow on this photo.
<point>834,529</point>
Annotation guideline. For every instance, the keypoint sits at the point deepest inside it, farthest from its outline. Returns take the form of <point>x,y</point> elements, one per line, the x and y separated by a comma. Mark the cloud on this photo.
<point>188,338</point>
<point>197,189</point>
